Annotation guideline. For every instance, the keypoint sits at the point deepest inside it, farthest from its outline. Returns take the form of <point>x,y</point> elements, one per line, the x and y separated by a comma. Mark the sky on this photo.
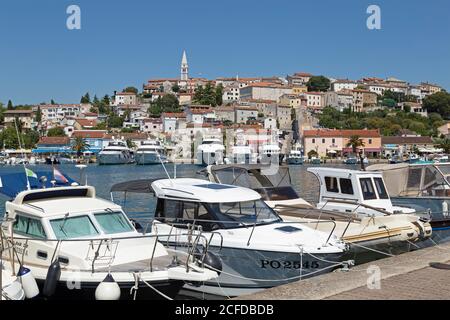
<point>126,43</point>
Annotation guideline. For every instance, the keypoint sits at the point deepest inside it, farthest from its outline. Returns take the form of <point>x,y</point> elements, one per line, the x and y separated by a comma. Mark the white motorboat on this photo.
<point>150,152</point>
<point>270,153</point>
<point>11,288</point>
<point>257,249</point>
<point>295,156</point>
<point>242,155</point>
<point>116,152</point>
<point>355,222</point>
<point>211,151</point>
<point>76,243</point>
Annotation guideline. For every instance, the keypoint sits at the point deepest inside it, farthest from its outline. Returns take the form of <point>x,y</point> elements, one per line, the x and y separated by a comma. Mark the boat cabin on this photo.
<point>416,180</point>
<point>352,186</point>
<point>66,213</point>
<point>272,184</point>
<point>213,206</point>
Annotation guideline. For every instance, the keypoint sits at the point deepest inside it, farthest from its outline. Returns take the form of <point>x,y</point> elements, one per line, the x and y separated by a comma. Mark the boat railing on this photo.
<point>108,244</point>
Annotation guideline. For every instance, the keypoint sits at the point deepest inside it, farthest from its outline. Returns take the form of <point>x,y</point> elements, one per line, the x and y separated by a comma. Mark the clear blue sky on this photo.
<point>128,42</point>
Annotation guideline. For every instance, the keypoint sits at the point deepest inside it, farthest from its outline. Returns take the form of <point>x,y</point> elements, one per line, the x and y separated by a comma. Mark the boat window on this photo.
<point>74,227</point>
<point>430,176</point>
<point>29,227</point>
<point>414,177</point>
<point>189,210</point>
<point>247,212</point>
<point>113,222</point>
<point>382,193</point>
<point>367,189</point>
<point>346,186</point>
<point>332,184</point>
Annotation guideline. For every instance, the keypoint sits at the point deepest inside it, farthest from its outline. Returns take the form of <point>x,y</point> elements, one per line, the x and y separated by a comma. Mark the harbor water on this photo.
<point>142,205</point>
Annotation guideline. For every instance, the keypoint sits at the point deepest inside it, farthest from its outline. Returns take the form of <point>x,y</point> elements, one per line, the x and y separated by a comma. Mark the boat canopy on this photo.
<point>411,180</point>
<point>13,183</point>
<point>253,176</point>
<point>134,186</point>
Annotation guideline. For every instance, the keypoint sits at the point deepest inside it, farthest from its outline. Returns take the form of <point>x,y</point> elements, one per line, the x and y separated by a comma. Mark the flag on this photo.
<point>30,174</point>
<point>59,177</point>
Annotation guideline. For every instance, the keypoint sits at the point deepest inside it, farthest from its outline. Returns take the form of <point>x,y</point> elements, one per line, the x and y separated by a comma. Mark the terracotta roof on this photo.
<point>94,134</point>
<point>406,140</point>
<point>86,122</point>
<point>125,94</point>
<point>302,74</point>
<point>132,135</point>
<point>54,140</point>
<point>18,111</point>
<point>341,133</point>
<point>173,115</point>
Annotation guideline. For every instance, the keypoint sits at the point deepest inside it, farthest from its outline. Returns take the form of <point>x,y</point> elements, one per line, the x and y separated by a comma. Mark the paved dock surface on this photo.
<point>406,277</point>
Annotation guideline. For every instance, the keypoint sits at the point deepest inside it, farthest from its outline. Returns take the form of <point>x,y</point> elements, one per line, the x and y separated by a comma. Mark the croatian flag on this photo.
<point>59,177</point>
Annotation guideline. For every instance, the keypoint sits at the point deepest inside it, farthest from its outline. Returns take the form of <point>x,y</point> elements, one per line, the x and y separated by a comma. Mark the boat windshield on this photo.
<point>73,227</point>
<point>274,187</point>
<point>245,213</point>
<point>113,222</point>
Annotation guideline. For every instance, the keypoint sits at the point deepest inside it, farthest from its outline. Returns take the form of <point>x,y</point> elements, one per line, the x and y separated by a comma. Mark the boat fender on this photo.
<point>29,284</point>
<point>421,230</point>
<point>210,260</point>
<point>108,289</point>
<point>51,281</point>
<point>445,208</point>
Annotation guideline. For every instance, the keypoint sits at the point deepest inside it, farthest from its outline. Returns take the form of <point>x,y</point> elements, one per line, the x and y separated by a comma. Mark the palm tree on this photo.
<point>444,144</point>
<point>79,145</point>
<point>355,142</point>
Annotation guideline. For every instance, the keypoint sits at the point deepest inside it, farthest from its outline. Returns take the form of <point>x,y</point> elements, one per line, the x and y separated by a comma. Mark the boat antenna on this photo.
<point>23,155</point>
<point>164,166</point>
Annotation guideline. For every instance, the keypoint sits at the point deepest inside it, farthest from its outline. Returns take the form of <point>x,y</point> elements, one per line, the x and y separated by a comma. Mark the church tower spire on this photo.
<point>184,67</point>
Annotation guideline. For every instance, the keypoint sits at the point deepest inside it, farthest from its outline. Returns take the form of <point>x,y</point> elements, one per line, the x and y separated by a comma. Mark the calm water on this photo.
<point>103,177</point>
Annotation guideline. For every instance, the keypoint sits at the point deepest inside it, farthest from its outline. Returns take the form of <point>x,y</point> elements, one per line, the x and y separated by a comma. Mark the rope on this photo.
<point>371,249</point>
<point>156,290</point>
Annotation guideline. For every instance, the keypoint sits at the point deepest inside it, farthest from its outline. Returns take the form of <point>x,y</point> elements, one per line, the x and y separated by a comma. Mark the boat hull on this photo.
<point>209,158</point>
<point>170,288</point>
<point>245,271</point>
<point>295,161</point>
<point>149,158</point>
<point>110,159</point>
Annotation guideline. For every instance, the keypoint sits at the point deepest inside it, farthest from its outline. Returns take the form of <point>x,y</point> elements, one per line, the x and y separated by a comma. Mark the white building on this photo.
<point>341,84</point>
<point>126,98</point>
<point>264,91</point>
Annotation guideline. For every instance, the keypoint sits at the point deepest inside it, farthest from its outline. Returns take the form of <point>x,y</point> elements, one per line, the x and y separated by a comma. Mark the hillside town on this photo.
<point>320,114</point>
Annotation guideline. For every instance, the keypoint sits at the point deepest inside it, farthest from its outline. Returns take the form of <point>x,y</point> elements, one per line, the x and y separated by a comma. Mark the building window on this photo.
<point>323,140</point>
<point>370,141</point>
<point>313,140</point>
<point>333,140</point>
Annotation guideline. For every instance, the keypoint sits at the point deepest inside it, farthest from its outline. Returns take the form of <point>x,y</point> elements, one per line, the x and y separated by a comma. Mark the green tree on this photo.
<point>38,117</point>
<point>9,139</point>
<point>312,153</point>
<point>86,98</point>
<point>79,145</point>
<point>444,144</point>
<point>219,95</point>
<point>167,103</point>
<point>52,102</point>
<point>30,139</point>
<point>115,121</point>
<point>130,143</point>
<point>318,83</point>
<point>439,103</point>
<point>175,88</point>
<point>10,105</point>
<point>131,89</point>
<point>208,95</point>
<point>56,132</point>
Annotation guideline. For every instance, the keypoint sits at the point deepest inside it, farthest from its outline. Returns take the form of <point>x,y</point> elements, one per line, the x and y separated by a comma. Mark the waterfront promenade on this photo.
<point>408,276</point>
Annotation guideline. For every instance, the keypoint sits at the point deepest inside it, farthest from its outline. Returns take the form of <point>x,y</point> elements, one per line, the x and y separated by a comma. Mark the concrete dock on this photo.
<point>408,276</point>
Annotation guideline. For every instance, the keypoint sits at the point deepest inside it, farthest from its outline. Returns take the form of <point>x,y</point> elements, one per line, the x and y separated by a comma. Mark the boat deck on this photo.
<point>407,276</point>
<point>159,264</point>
